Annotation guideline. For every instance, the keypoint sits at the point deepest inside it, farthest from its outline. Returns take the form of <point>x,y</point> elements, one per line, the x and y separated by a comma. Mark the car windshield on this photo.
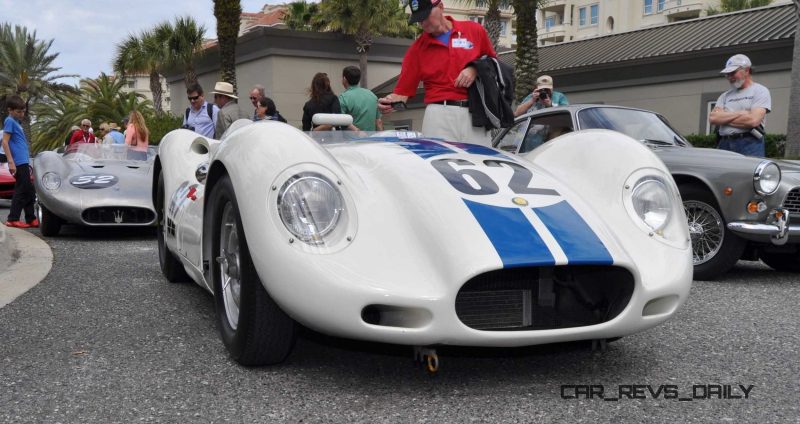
<point>84,152</point>
<point>644,126</point>
<point>326,137</point>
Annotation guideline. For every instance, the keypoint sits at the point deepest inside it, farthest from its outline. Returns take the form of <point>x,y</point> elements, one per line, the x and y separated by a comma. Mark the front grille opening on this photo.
<point>542,298</point>
<point>792,203</point>
<point>396,316</point>
<point>118,216</point>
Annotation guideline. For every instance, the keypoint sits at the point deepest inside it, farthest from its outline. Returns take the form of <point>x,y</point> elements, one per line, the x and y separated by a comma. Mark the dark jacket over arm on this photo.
<point>491,95</point>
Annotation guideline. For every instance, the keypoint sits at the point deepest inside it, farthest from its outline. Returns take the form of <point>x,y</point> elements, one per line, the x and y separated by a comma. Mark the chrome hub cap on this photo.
<point>229,260</point>
<point>706,228</point>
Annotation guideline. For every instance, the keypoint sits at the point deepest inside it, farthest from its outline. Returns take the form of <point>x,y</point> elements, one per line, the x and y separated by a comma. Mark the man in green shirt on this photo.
<point>358,102</point>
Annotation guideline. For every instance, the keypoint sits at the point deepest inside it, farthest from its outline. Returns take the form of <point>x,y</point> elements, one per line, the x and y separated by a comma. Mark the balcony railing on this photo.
<point>682,8</point>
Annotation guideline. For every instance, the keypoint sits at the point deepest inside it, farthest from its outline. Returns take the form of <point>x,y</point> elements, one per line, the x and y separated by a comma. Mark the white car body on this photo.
<point>412,236</point>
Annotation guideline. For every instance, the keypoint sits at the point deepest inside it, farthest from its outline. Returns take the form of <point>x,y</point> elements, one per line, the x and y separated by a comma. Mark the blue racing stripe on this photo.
<point>576,238</point>
<point>421,147</point>
<point>477,149</point>
<point>512,235</point>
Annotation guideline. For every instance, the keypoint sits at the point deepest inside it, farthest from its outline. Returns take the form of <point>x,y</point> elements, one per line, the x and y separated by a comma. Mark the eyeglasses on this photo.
<point>253,98</point>
<point>193,98</point>
<point>84,126</point>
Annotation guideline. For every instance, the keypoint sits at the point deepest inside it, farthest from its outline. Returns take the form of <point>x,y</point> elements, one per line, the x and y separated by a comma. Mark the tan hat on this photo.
<point>544,81</point>
<point>104,126</point>
<point>224,89</point>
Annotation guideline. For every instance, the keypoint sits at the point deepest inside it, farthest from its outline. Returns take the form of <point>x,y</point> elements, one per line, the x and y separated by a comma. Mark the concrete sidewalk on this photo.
<point>25,260</point>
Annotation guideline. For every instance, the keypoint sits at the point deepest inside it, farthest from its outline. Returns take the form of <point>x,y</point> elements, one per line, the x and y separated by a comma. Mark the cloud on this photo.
<point>85,33</point>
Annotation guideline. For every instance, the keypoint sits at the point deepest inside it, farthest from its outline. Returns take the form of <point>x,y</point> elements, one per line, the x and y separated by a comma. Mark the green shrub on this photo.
<point>775,144</point>
<point>159,127</point>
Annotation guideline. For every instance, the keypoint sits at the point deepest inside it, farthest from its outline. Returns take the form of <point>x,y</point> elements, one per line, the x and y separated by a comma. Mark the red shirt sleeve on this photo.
<point>409,73</point>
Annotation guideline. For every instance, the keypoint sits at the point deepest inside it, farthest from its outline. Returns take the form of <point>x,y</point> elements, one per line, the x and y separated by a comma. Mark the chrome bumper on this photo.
<point>777,227</point>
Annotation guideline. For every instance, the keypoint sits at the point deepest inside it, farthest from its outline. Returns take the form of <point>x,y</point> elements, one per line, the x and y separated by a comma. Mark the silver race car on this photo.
<point>94,185</point>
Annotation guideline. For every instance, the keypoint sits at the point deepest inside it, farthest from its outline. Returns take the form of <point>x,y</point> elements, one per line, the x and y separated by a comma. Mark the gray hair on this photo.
<point>262,91</point>
<point>86,122</point>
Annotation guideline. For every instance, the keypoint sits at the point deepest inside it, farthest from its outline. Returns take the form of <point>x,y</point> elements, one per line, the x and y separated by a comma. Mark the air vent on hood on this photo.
<point>98,166</point>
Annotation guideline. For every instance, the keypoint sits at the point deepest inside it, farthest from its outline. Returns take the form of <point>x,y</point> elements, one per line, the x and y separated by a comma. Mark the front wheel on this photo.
<point>715,248</point>
<point>170,266</point>
<point>253,327</point>
<point>49,223</point>
<point>780,261</point>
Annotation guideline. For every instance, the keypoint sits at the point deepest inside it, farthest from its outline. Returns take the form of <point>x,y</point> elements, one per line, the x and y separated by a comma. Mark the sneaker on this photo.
<point>34,223</point>
<point>17,224</point>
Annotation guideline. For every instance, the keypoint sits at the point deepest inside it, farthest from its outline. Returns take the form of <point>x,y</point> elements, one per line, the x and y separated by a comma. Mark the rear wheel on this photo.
<point>253,327</point>
<point>49,223</point>
<point>780,261</point>
<point>715,249</point>
<point>170,266</point>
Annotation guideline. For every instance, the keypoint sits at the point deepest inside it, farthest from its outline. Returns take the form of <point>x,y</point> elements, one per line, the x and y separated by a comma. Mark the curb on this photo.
<point>30,261</point>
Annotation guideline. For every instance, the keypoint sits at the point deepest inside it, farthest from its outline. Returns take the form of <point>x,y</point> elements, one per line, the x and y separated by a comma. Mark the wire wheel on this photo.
<point>230,265</point>
<point>706,228</point>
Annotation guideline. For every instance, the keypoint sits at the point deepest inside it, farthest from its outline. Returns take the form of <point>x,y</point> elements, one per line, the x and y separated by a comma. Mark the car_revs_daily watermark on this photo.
<point>661,391</point>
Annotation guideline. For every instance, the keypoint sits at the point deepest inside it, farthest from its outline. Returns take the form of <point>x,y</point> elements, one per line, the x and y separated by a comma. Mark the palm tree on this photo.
<point>148,54</point>
<point>105,99</point>
<point>364,19</point>
<point>793,129</point>
<point>27,70</point>
<point>228,14</point>
<point>54,118</point>
<point>492,19</point>
<point>527,55</point>
<point>301,16</point>
<point>185,46</point>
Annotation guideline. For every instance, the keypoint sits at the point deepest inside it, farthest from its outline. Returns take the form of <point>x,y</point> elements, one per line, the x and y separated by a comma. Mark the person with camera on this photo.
<point>542,96</point>
<point>200,116</point>
<point>740,113</point>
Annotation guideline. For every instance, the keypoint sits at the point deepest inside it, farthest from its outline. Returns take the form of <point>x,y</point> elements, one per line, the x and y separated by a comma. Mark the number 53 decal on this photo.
<point>93,181</point>
<point>472,181</point>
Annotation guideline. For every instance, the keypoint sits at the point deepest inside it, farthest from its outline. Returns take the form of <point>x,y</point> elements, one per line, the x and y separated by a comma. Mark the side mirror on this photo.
<point>201,173</point>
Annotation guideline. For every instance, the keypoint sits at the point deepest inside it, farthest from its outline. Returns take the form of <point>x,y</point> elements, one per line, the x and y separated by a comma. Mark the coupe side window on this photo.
<point>512,139</point>
<point>545,128</point>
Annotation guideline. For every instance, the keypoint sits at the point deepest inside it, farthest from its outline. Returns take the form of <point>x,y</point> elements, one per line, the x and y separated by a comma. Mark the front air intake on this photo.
<point>118,215</point>
<point>542,298</point>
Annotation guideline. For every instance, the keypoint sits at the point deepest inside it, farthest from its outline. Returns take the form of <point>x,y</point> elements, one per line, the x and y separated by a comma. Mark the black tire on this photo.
<point>253,327</point>
<point>171,267</point>
<point>780,261</point>
<point>715,249</point>
<point>49,223</point>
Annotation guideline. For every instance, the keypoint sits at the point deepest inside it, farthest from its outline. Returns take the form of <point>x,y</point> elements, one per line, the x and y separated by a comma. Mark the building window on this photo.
<point>503,28</point>
<point>478,19</point>
<point>648,7</point>
<point>661,5</point>
<point>130,84</point>
<point>582,16</point>
<point>595,12</point>
<point>549,22</point>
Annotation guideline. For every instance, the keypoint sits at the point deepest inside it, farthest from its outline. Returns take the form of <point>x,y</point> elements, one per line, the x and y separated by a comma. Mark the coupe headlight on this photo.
<point>651,201</point>
<point>51,181</point>
<point>310,207</point>
<point>766,178</point>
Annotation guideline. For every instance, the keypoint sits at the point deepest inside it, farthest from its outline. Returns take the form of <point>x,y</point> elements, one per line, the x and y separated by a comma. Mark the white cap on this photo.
<point>735,62</point>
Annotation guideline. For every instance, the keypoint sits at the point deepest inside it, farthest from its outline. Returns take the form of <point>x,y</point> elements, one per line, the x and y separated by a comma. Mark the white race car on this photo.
<point>392,237</point>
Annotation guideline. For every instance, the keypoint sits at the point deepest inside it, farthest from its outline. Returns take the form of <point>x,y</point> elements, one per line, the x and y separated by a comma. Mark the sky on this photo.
<point>85,33</point>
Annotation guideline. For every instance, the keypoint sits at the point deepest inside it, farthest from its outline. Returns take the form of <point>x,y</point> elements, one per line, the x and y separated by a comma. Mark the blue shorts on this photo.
<point>747,145</point>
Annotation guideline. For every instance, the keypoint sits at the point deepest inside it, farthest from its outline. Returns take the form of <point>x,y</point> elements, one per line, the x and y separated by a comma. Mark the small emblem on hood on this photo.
<point>519,201</point>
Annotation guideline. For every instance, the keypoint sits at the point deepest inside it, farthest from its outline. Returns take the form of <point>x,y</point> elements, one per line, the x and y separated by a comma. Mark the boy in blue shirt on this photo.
<point>16,147</point>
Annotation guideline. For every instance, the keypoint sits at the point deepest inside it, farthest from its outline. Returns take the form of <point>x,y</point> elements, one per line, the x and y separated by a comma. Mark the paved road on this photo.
<point>105,339</point>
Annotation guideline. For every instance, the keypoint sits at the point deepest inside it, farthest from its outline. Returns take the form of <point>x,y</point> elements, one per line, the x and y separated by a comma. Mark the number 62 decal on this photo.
<point>469,180</point>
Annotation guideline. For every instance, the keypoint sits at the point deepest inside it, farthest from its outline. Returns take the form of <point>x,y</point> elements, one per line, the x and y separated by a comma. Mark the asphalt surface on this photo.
<point>104,338</point>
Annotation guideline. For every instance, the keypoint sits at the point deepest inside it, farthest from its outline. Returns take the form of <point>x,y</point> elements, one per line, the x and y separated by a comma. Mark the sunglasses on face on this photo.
<point>84,126</point>
<point>193,98</point>
<point>253,98</point>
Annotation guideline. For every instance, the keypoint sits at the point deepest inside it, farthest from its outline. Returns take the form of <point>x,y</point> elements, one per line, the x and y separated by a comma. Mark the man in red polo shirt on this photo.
<point>439,59</point>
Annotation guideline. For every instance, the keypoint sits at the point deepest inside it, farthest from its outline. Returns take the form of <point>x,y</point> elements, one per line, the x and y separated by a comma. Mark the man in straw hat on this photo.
<point>226,99</point>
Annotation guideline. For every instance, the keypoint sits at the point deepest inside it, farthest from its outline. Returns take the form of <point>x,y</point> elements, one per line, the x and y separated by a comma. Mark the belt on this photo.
<point>737,135</point>
<point>462,103</point>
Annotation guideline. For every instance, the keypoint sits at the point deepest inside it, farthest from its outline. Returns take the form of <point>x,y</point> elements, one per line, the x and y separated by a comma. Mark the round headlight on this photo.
<point>51,181</point>
<point>766,178</point>
<point>651,201</point>
<point>310,207</point>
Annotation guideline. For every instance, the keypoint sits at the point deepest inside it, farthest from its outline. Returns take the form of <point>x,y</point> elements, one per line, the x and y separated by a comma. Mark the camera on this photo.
<point>544,94</point>
<point>187,127</point>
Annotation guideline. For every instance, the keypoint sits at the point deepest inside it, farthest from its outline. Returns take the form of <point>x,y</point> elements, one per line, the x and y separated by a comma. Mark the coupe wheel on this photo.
<point>715,249</point>
<point>170,266</point>
<point>49,223</point>
<point>253,327</point>
<point>779,261</point>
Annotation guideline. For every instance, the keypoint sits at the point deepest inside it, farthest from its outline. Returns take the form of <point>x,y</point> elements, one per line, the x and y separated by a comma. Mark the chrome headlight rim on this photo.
<point>51,181</point>
<point>313,236</point>
<point>758,177</point>
<point>644,183</point>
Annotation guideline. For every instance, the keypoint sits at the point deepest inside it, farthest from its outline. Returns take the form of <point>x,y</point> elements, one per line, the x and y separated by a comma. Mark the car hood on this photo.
<point>454,195</point>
